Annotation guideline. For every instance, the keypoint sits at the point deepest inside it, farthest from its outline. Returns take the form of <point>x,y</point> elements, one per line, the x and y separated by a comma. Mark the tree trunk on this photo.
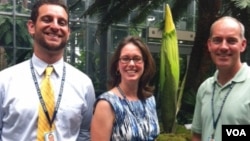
<point>3,60</point>
<point>200,66</point>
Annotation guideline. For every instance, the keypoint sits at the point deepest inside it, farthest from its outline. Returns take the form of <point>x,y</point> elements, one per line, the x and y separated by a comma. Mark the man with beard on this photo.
<point>25,114</point>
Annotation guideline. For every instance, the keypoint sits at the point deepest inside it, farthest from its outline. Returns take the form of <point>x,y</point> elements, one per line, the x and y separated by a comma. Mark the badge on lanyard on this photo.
<point>211,139</point>
<point>50,136</point>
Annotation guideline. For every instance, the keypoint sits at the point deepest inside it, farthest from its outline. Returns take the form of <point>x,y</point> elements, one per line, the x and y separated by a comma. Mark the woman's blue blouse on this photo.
<point>134,120</point>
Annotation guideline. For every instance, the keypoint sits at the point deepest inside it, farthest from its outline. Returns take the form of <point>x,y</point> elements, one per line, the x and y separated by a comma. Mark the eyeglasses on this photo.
<point>126,60</point>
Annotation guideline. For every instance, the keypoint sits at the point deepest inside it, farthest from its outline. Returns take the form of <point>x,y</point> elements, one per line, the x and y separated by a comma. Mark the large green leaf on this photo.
<point>241,3</point>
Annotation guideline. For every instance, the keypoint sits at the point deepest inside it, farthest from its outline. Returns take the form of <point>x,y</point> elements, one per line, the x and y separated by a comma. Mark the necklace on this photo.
<point>139,121</point>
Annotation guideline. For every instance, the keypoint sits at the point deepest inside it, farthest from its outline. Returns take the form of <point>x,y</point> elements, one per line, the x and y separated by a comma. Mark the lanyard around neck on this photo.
<point>215,121</point>
<point>40,95</point>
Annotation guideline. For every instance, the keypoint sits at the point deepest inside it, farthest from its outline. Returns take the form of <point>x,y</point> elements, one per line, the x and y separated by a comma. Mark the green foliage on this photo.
<point>6,25</point>
<point>174,137</point>
<point>80,64</point>
<point>8,7</point>
<point>109,12</point>
<point>10,40</point>
<point>181,134</point>
<point>241,3</point>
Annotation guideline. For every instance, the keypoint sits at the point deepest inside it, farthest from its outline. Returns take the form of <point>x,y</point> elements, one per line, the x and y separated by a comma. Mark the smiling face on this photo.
<point>132,69</point>
<point>51,137</point>
<point>226,44</point>
<point>51,30</point>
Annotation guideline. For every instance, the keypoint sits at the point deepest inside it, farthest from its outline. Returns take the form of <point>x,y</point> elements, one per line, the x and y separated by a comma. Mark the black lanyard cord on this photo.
<point>215,121</point>
<point>40,95</point>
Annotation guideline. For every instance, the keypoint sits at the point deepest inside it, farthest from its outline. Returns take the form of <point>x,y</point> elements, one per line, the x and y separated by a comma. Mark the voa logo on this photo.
<point>236,132</point>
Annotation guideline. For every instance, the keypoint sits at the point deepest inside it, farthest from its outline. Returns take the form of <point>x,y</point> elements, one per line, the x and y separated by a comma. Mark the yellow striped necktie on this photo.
<point>48,98</point>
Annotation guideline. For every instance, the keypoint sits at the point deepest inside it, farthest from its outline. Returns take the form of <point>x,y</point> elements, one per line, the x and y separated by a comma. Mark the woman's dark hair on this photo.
<point>144,88</point>
<point>39,3</point>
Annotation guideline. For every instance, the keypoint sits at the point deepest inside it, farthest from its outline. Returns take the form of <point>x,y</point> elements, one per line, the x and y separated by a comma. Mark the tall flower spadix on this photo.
<point>169,72</point>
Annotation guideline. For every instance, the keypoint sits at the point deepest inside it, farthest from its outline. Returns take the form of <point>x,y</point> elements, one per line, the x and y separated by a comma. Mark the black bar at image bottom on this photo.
<point>236,132</point>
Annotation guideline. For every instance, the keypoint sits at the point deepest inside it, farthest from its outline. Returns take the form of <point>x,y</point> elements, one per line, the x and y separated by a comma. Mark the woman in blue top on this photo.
<point>127,112</point>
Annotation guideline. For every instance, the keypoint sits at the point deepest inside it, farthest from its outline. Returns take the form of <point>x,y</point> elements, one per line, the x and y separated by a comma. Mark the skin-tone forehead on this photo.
<point>130,48</point>
<point>226,23</point>
<point>52,9</point>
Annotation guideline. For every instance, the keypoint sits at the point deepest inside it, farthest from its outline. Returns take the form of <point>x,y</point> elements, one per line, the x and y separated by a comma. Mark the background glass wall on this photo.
<point>84,50</point>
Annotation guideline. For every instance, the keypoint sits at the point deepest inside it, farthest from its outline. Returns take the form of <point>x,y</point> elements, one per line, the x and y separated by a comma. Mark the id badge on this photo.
<point>50,136</point>
<point>211,139</point>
